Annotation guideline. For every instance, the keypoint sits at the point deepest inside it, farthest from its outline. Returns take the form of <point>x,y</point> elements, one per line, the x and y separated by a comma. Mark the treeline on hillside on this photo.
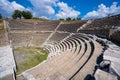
<point>70,19</point>
<point>19,14</point>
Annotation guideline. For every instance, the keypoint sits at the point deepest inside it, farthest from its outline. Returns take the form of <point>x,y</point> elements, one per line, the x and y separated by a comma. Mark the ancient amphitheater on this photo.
<point>78,50</point>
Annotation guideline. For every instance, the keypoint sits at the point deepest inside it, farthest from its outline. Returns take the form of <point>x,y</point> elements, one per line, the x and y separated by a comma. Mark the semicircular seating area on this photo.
<point>71,59</point>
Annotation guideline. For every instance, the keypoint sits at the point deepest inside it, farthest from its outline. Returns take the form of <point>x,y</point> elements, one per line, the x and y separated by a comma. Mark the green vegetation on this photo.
<point>0,16</point>
<point>70,19</point>
<point>106,27</point>
<point>26,14</point>
<point>29,57</point>
<point>61,19</point>
<point>19,14</point>
<point>1,26</point>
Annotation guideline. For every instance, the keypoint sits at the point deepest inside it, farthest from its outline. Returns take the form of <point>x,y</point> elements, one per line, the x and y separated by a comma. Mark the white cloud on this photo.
<point>43,7</point>
<point>103,11</point>
<point>66,11</point>
<point>7,8</point>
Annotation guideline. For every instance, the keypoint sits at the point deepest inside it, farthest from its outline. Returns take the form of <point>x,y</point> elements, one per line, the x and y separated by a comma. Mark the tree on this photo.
<point>68,19</point>
<point>74,19</point>
<point>78,18</point>
<point>0,16</point>
<point>61,19</point>
<point>17,14</point>
<point>26,14</point>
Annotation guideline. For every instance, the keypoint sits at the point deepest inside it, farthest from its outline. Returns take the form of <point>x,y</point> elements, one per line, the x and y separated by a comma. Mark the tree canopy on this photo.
<point>26,14</point>
<point>0,16</point>
<point>19,14</point>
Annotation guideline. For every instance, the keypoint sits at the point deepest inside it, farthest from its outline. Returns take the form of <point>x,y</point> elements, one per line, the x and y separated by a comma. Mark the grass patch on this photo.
<point>30,57</point>
<point>1,25</point>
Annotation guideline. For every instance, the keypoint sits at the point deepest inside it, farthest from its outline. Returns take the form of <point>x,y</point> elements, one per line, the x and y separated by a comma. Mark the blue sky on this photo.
<point>55,9</point>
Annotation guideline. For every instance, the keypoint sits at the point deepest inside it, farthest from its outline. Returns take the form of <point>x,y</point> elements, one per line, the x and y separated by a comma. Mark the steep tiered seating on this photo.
<point>70,27</point>
<point>28,39</point>
<point>37,26</point>
<point>46,26</point>
<point>89,67</point>
<point>104,23</point>
<point>19,25</point>
<point>39,37</point>
<point>20,39</point>
<point>73,58</point>
<point>57,37</point>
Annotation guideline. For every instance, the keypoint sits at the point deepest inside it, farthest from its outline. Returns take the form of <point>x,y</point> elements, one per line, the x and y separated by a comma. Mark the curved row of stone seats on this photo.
<point>77,53</point>
<point>66,45</point>
<point>89,67</point>
<point>71,70</point>
<point>60,47</point>
<point>71,59</point>
<point>70,63</point>
<point>70,43</point>
<point>57,37</point>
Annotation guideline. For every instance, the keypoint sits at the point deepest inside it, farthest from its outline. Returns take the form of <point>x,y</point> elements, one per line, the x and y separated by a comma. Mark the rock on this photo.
<point>102,75</point>
<point>116,67</point>
<point>104,65</point>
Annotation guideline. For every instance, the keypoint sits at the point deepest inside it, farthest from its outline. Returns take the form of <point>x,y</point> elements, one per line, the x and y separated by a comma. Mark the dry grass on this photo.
<point>1,25</point>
